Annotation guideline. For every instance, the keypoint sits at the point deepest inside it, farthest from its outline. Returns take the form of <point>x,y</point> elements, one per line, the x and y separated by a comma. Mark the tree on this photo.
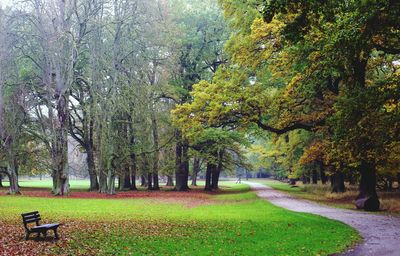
<point>200,54</point>
<point>295,67</point>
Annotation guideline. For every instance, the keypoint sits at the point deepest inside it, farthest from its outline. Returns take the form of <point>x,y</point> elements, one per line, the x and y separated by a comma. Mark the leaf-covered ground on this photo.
<point>232,223</point>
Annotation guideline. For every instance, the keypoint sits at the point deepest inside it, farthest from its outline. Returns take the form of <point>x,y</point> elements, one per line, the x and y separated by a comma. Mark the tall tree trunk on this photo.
<point>13,188</point>
<point>133,167</point>
<point>94,184</point>
<point>1,180</point>
<point>61,172</point>
<point>314,176</point>
<point>133,181</point>
<point>143,181</point>
<point>215,177</point>
<point>322,172</point>
<point>170,181</point>
<point>367,198</point>
<point>14,177</point>
<point>126,180</point>
<point>149,181</point>
<point>13,173</point>
<point>103,185</point>
<point>209,170</point>
<point>337,182</point>
<point>304,179</point>
<point>196,170</point>
<point>156,182</point>
<point>103,181</point>
<point>133,172</point>
<point>182,163</point>
<point>398,181</point>
<point>217,170</point>
<point>156,185</point>
<point>111,177</point>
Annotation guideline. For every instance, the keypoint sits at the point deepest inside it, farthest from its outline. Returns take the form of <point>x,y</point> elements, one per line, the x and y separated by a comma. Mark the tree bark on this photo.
<point>322,172</point>
<point>111,177</point>
<point>143,181</point>
<point>398,181</point>
<point>367,198</point>
<point>314,176</point>
<point>170,181</point>
<point>196,170</point>
<point>209,171</point>
<point>133,172</point>
<point>133,166</point>
<point>337,182</point>
<point>126,180</point>
<point>60,152</point>
<point>133,182</point>
<point>1,181</point>
<point>216,172</point>
<point>94,184</point>
<point>12,172</point>
<point>13,188</point>
<point>182,163</point>
<point>156,185</point>
<point>102,181</point>
<point>149,181</point>
<point>305,179</point>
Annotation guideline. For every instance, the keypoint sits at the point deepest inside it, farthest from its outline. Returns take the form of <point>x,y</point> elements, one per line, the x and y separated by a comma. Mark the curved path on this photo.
<point>381,233</point>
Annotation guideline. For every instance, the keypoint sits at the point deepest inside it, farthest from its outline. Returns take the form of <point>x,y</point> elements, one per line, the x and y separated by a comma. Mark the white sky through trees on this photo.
<point>6,3</point>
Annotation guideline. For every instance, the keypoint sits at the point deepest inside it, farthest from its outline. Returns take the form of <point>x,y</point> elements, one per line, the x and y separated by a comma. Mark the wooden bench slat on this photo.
<point>29,213</point>
<point>32,220</point>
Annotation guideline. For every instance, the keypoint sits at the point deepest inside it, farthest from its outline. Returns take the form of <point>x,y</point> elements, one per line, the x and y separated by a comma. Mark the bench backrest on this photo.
<point>30,217</point>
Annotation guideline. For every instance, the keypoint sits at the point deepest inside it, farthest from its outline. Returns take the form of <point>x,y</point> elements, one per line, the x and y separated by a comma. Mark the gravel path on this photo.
<point>381,233</point>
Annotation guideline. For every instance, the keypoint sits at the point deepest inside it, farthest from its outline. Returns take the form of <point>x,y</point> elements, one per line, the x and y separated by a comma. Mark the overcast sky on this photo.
<point>5,3</point>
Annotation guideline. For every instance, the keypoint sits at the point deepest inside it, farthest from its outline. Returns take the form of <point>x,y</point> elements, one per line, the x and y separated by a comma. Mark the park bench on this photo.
<point>34,217</point>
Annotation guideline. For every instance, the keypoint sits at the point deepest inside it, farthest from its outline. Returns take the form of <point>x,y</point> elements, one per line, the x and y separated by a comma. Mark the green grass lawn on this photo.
<point>47,183</point>
<point>236,223</point>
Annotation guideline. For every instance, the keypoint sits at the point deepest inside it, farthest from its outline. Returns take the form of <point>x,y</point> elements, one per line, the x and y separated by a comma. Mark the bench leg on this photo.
<point>45,234</point>
<point>56,234</point>
<point>27,236</point>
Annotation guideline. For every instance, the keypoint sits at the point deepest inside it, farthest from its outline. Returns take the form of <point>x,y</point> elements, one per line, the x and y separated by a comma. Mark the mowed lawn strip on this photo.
<point>235,223</point>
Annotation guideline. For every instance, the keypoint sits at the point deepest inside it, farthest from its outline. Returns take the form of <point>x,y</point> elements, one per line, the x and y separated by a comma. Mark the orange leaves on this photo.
<point>314,152</point>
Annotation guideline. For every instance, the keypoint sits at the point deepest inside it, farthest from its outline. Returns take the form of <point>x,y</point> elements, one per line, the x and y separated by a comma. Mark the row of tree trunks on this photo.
<point>212,177</point>
<point>212,173</point>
